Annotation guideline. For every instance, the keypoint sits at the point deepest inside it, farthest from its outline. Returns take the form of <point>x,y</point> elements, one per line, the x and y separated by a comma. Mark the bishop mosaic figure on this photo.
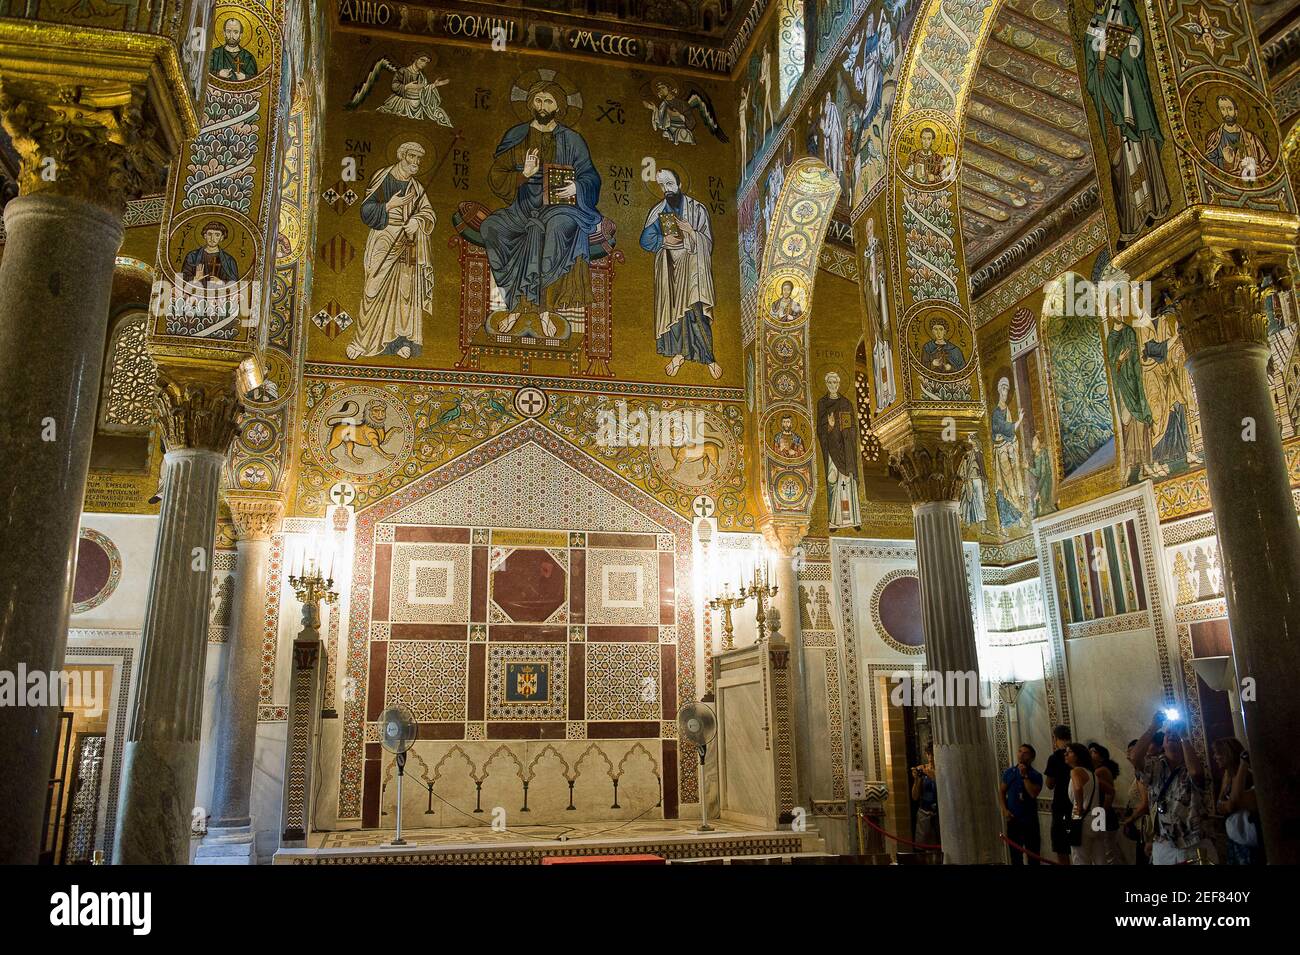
<point>1120,89</point>
<point>837,434</point>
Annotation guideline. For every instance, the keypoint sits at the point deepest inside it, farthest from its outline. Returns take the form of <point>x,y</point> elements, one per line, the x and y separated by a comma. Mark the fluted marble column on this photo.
<point>230,833</point>
<point>56,279</point>
<point>966,773</point>
<point>160,768</point>
<point>1224,334</point>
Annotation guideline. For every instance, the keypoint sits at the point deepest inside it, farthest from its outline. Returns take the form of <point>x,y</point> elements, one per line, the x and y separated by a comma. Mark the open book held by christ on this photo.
<point>555,176</point>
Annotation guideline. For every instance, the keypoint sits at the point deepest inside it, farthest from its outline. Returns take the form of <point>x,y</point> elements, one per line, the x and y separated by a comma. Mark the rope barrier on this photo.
<point>1019,848</point>
<point>898,839</point>
<point>921,845</point>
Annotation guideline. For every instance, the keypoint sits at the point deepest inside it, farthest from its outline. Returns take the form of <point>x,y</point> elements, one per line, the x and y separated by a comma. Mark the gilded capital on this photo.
<point>91,143</point>
<point>94,114</point>
<point>256,517</point>
<point>1218,294</point>
<point>930,469</point>
<point>197,413</point>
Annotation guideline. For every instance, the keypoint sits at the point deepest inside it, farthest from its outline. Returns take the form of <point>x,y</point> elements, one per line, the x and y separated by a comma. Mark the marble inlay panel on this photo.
<point>430,583</point>
<point>429,677</point>
<point>622,587</point>
<point>623,681</point>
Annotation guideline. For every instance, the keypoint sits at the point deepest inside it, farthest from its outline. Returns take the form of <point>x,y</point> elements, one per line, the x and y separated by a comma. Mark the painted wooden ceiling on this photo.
<point>1026,149</point>
<point>1026,157</point>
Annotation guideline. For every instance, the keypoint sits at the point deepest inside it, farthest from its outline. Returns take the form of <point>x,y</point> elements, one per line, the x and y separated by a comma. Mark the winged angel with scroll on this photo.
<point>413,95</point>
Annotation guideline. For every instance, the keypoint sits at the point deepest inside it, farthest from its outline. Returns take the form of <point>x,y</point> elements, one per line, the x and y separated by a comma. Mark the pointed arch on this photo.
<point>785,301</point>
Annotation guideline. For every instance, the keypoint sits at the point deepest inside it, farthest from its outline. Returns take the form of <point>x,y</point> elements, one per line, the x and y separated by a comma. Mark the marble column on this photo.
<point>965,771</point>
<point>56,276</point>
<point>1224,333</point>
<point>230,829</point>
<point>160,768</point>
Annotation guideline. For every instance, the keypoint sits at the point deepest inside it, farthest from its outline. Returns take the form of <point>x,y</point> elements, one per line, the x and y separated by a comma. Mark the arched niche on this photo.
<point>124,412</point>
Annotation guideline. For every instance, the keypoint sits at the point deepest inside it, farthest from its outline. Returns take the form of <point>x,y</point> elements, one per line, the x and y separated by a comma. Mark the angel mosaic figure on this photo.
<point>675,117</point>
<point>413,95</point>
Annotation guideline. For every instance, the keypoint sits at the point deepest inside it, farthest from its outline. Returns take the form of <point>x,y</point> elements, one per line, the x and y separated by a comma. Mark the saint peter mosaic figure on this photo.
<point>398,262</point>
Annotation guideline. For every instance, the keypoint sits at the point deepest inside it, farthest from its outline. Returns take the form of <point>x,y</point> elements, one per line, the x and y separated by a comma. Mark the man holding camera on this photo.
<point>925,794</point>
<point>1167,763</point>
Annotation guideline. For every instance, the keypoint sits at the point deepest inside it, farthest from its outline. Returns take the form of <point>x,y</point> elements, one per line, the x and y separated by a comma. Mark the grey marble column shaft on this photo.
<point>56,279</point>
<point>236,731</point>
<point>1259,545</point>
<point>966,775</point>
<point>160,769</point>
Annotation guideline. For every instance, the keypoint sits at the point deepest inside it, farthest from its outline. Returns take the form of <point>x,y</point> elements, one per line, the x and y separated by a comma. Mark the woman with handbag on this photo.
<point>1237,803</point>
<point>1136,821</point>
<point>1086,830</point>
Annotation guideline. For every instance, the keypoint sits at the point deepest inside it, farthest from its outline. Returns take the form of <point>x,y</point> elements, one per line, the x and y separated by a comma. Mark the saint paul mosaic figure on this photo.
<point>678,232</point>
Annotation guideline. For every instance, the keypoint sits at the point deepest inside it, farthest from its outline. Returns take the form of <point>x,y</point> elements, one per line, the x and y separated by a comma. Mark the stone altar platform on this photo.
<point>529,845</point>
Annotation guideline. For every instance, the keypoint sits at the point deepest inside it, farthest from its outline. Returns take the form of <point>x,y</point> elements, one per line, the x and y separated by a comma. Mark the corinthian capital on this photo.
<point>930,468</point>
<point>197,413</point>
<point>93,143</point>
<point>1218,296</point>
<point>255,516</point>
<point>784,536</point>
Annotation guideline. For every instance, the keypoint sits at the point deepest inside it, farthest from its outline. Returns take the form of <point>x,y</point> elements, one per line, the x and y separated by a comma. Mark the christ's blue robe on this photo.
<point>530,245</point>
